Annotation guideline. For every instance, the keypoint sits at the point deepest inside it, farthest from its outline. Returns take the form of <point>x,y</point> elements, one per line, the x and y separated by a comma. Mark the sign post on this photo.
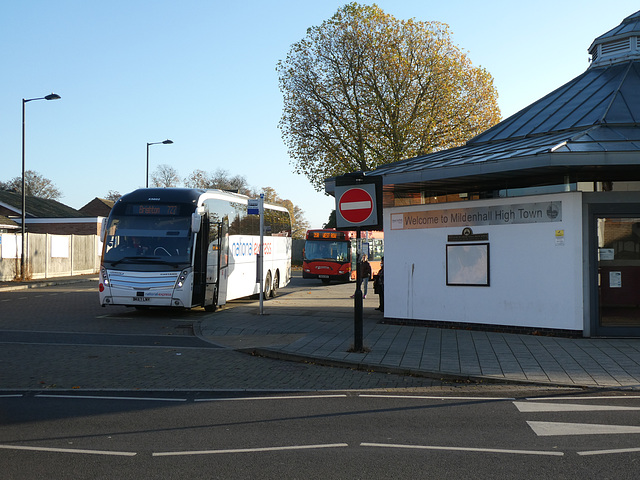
<point>358,207</point>
<point>261,262</point>
<point>256,207</point>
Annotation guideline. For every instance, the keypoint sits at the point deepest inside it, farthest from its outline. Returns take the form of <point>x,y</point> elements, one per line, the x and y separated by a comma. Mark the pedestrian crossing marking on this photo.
<point>549,429</point>
<point>528,407</point>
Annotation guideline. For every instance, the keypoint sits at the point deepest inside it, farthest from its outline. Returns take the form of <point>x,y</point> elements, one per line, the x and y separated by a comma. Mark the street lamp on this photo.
<point>166,142</point>
<point>51,96</point>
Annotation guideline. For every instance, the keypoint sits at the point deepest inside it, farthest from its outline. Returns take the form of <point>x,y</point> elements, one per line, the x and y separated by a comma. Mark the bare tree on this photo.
<point>113,195</point>
<point>35,185</point>
<point>165,176</point>
<point>220,179</point>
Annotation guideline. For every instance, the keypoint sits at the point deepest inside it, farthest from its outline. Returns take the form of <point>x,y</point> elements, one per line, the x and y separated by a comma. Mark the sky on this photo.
<point>203,74</point>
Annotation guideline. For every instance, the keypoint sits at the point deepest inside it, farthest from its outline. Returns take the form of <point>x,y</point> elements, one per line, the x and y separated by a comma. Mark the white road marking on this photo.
<point>527,407</point>
<point>422,397</point>
<point>608,452</point>
<point>465,449</point>
<point>548,429</point>
<point>250,450</point>
<point>94,397</point>
<point>68,450</point>
<point>573,399</point>
<point>11,395</point>
<point>285,397</point>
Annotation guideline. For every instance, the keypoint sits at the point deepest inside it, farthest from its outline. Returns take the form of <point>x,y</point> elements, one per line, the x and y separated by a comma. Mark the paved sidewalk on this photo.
<point>10,286</point>
<point>316,325</point>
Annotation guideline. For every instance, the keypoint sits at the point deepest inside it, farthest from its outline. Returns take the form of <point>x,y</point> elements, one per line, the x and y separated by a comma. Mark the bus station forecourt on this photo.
<point>314,324</point>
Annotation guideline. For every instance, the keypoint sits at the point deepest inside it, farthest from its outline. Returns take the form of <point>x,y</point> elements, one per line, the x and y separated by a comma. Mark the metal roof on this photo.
<point>628,27</point>
<point>588,129</point>
<point>600,96</point>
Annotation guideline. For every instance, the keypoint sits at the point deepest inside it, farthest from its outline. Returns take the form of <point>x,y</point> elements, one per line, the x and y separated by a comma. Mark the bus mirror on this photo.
<point>103,229</point>
<point>196,219</point>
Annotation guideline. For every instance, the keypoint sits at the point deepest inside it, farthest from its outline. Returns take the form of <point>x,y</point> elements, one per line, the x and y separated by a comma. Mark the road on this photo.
<point>88,392</point>
<point>355,434</point>
<point>59,337</point>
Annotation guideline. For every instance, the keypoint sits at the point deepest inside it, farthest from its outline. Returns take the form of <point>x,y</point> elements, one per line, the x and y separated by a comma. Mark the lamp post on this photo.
<point>166,142</point>
<point>51,96</point>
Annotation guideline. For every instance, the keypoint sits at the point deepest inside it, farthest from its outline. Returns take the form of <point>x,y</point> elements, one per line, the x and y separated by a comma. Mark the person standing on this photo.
<point>365,275</point>
<point>378,285</point>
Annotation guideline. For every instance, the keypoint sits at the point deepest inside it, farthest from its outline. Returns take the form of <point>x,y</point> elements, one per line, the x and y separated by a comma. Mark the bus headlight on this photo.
<point>182,278</point>
<point>105,277</point>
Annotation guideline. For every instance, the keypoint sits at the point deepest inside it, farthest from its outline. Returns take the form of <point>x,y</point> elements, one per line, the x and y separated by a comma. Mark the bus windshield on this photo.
<point>148,241</point>
<point>324,250</point>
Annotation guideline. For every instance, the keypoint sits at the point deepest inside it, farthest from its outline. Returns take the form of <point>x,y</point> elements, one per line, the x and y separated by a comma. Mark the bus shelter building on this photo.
<point>533,225</point>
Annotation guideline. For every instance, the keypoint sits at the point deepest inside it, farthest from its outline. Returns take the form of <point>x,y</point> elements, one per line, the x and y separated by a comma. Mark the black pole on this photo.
<point>24,201</point>
<point>23,256</point>
<point>146,182</point>
<point>357,299</point>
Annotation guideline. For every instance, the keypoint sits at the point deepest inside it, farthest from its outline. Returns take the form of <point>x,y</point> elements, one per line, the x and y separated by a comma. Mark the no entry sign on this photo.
<point>355,205</point>
<point>358,202</point>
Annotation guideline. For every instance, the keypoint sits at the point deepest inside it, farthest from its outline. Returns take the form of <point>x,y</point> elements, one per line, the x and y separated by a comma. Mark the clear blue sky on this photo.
<point>202,73</point>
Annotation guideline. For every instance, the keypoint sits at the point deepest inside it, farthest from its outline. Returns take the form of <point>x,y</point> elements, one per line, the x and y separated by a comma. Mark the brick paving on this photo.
<point>313,327</point>
<point>317,325</point>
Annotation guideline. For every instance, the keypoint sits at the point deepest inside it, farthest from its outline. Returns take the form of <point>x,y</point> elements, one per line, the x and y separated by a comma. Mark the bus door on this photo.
<point>223,262</point>
<point>199,263</point>
<point>217,265</point>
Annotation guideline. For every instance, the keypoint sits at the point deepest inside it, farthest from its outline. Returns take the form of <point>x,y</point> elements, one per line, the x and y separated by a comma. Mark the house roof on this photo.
<point>7,223</point>
<point>36,207</point>
<point>98,207</point>
<point>586,130</point>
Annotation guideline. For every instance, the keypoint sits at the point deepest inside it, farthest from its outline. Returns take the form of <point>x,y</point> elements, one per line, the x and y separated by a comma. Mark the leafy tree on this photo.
<point>331,223</point>
<point>165,176</point>
<point>299,224</point>
<point>365,89</point>
<point>35,185</point>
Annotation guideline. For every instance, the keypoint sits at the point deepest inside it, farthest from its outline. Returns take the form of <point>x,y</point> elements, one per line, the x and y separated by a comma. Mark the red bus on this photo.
<point>331,254</point>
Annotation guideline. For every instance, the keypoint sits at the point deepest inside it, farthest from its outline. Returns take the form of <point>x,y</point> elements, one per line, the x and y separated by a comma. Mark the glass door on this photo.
<point>618,279</point>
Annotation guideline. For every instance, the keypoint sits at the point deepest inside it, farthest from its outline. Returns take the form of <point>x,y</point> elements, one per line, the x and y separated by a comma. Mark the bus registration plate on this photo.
<point>323,276</point>
<point>140,299</point>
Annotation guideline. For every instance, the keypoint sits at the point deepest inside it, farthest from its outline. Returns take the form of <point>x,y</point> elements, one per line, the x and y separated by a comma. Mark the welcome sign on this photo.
<point>538,212</point>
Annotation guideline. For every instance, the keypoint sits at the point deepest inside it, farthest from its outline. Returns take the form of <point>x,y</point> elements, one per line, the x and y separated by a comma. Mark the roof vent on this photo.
<point>618,45</point>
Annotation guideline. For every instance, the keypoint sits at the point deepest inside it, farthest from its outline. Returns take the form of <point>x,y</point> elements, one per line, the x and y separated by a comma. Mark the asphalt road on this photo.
<point>59,337</point>
<point>87,392</point>
<point>355,434</point>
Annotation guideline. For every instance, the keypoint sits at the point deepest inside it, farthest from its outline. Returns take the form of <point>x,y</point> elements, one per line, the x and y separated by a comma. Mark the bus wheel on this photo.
<point>276,282</point>
<point>267,286</point>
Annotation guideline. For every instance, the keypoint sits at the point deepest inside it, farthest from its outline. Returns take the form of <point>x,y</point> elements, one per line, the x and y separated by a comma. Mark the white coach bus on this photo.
<point>180,247</point>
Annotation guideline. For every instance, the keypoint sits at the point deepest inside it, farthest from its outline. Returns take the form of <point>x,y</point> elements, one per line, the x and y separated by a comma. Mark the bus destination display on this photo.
<point>327,235</point>
<point>152,209</point>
